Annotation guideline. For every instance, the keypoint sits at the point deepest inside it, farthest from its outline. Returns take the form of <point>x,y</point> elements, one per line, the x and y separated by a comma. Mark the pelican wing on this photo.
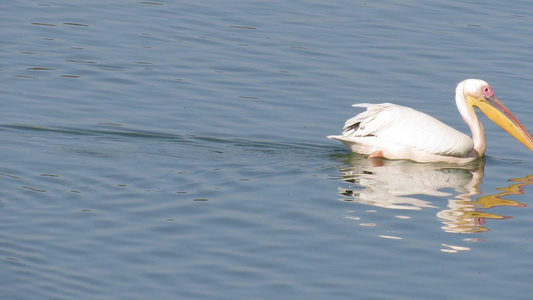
<point>396,125</point>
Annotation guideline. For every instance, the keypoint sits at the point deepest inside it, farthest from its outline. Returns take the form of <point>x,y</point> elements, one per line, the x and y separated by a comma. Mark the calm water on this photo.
<point>177,150</point>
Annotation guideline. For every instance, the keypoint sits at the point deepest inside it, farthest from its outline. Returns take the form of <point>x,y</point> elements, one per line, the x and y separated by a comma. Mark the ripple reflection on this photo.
<point>405,185</point>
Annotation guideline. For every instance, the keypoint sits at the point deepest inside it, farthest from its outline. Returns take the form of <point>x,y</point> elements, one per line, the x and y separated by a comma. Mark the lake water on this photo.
<point>177,150</point>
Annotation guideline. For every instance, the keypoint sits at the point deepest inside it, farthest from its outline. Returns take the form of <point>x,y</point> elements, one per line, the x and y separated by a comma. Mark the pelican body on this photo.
<point>392,131</point>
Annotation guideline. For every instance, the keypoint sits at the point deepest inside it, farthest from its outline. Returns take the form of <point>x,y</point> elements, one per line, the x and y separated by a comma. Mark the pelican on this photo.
<point>392,131</point>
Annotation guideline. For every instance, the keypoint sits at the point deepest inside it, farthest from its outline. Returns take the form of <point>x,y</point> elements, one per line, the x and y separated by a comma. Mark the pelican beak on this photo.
<point>499,114</point>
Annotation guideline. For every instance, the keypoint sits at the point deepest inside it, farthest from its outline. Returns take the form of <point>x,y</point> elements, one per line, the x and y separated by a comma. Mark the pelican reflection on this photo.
<point>406,185</point>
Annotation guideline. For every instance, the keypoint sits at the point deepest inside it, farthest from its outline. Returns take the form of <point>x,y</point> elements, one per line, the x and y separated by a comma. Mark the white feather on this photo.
<point>402,132</point>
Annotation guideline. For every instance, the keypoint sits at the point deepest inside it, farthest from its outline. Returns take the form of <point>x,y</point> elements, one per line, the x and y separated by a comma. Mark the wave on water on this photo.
<point>118,132</point>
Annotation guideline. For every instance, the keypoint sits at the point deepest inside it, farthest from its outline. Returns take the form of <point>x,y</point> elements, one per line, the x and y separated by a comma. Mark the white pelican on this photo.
<point>397,132</point>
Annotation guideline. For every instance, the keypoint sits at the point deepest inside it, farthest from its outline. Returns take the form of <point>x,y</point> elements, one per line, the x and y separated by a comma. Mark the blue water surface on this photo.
<point>177,150</point>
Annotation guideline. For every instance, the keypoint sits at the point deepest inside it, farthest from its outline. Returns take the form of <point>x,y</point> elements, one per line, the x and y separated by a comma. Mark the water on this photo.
<point>177,150</point>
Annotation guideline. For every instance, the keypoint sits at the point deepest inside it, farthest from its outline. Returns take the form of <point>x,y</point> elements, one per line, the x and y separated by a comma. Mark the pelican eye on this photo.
<point>487,91</point>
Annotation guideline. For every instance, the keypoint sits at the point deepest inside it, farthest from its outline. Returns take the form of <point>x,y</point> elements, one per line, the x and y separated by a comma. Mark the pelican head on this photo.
<point>478,93</point>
